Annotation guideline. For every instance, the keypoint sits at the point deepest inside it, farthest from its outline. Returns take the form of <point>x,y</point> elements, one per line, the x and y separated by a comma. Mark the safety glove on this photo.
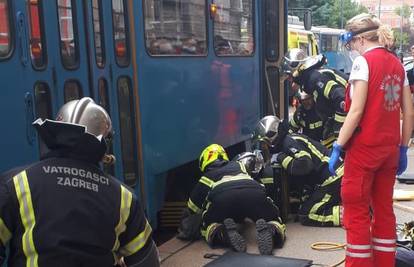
<point>402,165</point>
<point>336,152</point>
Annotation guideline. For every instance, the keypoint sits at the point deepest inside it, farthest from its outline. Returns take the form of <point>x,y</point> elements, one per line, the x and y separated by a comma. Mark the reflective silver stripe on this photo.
<point>358,255</point>
<point>126,200</point>
<point>21,186</point>
<point>385,249</point>
<point>358,246</point>
<point>384,241</point>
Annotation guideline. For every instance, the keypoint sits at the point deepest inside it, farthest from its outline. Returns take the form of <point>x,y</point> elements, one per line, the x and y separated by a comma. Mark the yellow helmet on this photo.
<point>210,154</point>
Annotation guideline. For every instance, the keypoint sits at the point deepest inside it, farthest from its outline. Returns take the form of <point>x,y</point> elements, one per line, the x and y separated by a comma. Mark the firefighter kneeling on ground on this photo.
<point>306,118</point>
<point>326,85</point>
<point>226,195</point>
<point>305,161</point>
<point>64,211</point>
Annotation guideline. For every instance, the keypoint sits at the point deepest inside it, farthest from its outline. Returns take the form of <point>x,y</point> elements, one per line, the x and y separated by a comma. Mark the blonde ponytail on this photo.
<point>385,36</point>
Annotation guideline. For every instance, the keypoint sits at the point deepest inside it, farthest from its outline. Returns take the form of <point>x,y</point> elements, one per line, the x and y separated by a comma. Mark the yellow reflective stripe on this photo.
<point>339,117</point>
<point>333,178</point>
<point>336,216</point>
<point>124,210</point>
<point>302,153</point>
<point>206,233</point>
<point>320,218</point>
<point>328,141</point>
<point>230,178</point>
<point>314,150</point>
<point>5,233</point>
<point>328,88</point>
<point>341,80</point>
<point>293,123</point>
<point>315,125</point>
<point>286,161</point>
<point>193,206</point>
<point>206,181</point>
<point>137,243</point>
<point>280,227</point>
<point>27,216</point>
<point>268,180</point>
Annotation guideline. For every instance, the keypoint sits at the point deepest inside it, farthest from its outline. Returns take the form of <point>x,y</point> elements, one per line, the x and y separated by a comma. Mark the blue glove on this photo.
<point>402,165</point>
<point>336,152</point>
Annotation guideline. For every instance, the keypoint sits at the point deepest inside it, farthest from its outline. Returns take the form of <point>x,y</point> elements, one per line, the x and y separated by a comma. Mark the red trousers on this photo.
<point>366,191</point>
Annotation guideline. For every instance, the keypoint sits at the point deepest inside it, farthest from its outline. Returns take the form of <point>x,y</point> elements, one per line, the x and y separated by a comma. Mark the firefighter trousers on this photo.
<point>322,208</point>
<point>238,204</point>
<point>368,185</point>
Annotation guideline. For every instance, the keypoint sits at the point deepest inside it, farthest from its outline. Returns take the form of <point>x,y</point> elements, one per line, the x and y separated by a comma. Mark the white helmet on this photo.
<point>266,129</point>
<point>86,112</point>
<point>252,161</point>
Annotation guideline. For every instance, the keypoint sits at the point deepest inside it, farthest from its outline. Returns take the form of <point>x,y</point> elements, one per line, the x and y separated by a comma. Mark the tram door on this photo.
<point>15,139</point>
<point>111,77</point>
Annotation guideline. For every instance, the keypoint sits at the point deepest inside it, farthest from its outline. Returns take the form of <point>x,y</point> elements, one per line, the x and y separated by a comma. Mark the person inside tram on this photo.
<point>226,195</point>
<point>305,119</point>
<point>305,162</point>
<point>326,85</point>
<point>64,210</point>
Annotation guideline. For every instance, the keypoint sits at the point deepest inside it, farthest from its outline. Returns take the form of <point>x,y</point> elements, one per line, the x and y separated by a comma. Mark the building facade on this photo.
<point>385,10</point>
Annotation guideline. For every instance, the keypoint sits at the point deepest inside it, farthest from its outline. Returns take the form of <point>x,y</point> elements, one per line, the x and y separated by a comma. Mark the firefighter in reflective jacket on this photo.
<point>306,164</point>
<point>307,119</point>
<point>226,195</point>
<point>63,210</point>
<point>326,85</point>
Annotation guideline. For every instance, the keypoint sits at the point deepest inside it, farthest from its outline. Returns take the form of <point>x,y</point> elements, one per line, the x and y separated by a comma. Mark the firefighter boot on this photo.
<point>236,241</point>
<point>264,236</point>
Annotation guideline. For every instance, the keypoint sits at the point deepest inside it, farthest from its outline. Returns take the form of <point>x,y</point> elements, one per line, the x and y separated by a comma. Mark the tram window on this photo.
<point>233,28</point>
<point>329,43</point>
<point>98,32</point>
<point>175,27</point>
<point>43,108</point>
<point>104,102</point>
<point>72,91</point>
<point>127,126</point>
<point>5,45</point>
<point>120,32</point>
<point>68,40</point>
<point>36,41</point>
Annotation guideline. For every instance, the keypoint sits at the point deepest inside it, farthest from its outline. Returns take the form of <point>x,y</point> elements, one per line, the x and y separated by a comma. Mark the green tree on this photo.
<point>401,40</point>
<point>404,10</point>
<point>328,12</point>
<point>349,10</point>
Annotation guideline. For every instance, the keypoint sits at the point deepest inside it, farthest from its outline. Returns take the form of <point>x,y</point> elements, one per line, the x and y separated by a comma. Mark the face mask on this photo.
<point>353,54</point>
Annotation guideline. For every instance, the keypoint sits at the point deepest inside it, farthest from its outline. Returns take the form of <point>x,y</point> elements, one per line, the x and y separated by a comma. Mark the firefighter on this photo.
<point>326,85</point>
<point>306,119</point>
<point>305,161</point>
<point>226,195</point>
<point>63,210</point>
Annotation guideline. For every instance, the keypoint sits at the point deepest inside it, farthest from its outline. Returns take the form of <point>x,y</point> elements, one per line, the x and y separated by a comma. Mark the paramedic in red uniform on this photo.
<point>375,149</point>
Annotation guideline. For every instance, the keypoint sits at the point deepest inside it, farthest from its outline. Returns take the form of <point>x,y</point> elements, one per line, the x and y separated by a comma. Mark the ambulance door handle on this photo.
<point>30,131</point>
<point>22,34</point>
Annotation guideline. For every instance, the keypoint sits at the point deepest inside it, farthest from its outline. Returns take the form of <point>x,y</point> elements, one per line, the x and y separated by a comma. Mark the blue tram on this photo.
<point>329,45</point>
<point>175,76</point>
